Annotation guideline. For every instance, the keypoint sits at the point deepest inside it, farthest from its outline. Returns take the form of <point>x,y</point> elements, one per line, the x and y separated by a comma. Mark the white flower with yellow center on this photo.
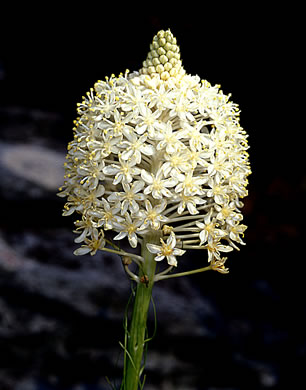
<point>152,216</point>
<point>129,198</point>
<point>157,185</point>
<point>167,250</point>
<point>158,155</point>
<point>209,229</point>
<point>123,172</point>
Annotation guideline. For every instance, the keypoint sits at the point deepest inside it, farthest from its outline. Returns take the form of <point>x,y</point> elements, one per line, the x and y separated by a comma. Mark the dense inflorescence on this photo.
<point>158,150</point>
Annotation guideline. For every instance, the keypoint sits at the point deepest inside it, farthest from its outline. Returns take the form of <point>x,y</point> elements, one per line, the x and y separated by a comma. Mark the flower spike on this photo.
<point>158,157</point>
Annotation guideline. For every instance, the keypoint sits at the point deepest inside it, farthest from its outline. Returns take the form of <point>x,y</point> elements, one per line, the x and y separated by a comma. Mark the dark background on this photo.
<point>61,316</point>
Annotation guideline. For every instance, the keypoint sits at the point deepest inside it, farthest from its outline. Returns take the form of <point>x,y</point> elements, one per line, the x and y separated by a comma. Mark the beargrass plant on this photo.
<point>158,160</point>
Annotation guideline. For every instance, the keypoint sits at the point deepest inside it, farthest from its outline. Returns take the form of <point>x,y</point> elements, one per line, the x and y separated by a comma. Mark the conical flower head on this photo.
<point>158,151</point>
<point>163,59</point>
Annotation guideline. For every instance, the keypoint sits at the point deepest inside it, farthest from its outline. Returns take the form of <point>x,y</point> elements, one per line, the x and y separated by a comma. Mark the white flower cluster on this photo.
<point>154,153</point>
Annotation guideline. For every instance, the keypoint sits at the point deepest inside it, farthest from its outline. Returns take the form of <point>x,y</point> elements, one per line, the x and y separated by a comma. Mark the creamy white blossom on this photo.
<point>158,152</point>
<point>167,250</point>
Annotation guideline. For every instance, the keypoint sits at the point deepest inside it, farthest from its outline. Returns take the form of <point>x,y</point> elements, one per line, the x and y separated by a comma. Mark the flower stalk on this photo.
<point>159,160</point>
<point>138,324</point>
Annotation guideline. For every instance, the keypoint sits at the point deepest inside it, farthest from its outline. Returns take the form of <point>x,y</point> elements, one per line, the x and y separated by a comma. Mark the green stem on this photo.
<point>138,325</point>
<point>162,276</point>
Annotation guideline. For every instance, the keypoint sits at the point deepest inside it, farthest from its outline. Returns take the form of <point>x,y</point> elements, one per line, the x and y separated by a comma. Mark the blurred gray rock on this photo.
<point>37,164</point>
<point>30,171</point>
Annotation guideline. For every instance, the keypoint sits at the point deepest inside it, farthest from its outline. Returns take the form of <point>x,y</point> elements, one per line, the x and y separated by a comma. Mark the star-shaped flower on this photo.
<point>167,249</point>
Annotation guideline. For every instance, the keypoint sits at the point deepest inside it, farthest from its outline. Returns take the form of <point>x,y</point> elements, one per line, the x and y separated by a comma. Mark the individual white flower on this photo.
<point>217,191</point>
<point>208,229</point>
<point>91,174</point>
<point>238,182</point>
<point>195,159</point>
<point>86,225</point>
<point>157,185</point>
<point>219,166</point>
<point>134,100</point>
<point>227,213</point>
<point>148,122</point>
<point>123,172</point>
<point>106,216</point>
<point>101,148</point>
<point>183,108</point>
<point>235,231</point>
<point>108,104</point>
<point>129,198</point>
<point>161,97</point>
<point>218,265</point>
<point>196,137</point>
<point>190,202</point>
<point>134,147</point>
<point>82,200</point>
<point>128,228</point>
<point>214,247</point>
<point>116,126</point>
<point>167,249</point>
<point>152,216</point>
<point>175,164</point>
<point>190,184</point>
<point>97,242</point>
<point>170,140</point>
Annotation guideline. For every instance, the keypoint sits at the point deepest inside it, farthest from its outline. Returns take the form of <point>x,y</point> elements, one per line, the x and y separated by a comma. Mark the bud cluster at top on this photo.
<point>164,57</point>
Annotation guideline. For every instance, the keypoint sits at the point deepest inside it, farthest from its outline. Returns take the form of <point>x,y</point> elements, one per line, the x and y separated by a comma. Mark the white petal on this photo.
<point>203,236</point>
<point>165,192</point>
<point>159,258</point>
<point>81,237</point>
<point>171,182</point>
<point>171,260</point>
<point>178,252</point>
<point>157,194</point>
<point>134,207</point>
<point>82,251</point>
<point>166,168</point>
<point>148,150</point>
<point>180,208</point>
<point>127,154</point>
<point>137,186</point>
<point>118,178</point>
<point>147,190</point>
<point>146,176</point>
<point>135,171</point>
<point>162,218</point>
<point>100,191</point>
<point>148,205</point>
<point>171,240</point>
<point>133,240</point>
<point>110,170</point>
<point>120,236</point>
<point>179,188</point>
<point>139,197</point>
<point>141,129</point>
<point>152,248</point>
<point>161,207</point>
<point>224,248</point>
<point>69,211</point>
<point>130,135</point>
<point>124,206</point>
<point>114,197</point>
<point>192,209</point>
